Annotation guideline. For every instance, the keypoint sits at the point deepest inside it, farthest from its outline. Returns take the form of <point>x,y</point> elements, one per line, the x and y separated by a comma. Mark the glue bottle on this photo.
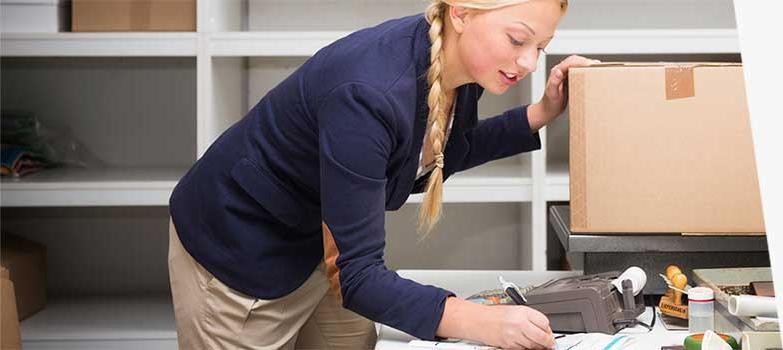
<point>701,310</point>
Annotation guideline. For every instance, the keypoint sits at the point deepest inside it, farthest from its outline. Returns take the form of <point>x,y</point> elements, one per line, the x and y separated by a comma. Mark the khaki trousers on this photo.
<point>210,315</point>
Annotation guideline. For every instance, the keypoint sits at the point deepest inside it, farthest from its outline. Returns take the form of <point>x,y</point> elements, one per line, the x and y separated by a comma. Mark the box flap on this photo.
<point>662,64</point>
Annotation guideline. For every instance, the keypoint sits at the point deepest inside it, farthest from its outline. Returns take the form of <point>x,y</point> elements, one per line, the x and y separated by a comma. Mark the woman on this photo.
<point>277,231</point>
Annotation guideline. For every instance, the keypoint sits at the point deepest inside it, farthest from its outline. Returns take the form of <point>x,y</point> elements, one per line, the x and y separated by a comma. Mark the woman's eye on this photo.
<point>515,42</point>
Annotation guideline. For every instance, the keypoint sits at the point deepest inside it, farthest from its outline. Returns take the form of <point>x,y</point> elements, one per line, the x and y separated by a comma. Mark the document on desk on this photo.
<point>565,344</point>
<point>572,342</point>
<point>461,345</point>
<point>596,341</point>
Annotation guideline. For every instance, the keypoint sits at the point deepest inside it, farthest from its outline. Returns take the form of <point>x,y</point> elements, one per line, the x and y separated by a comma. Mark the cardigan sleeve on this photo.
<point>500,136</point>
<point>356,139</point>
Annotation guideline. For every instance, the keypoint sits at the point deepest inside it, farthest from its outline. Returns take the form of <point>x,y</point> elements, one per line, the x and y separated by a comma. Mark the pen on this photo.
<point>512,291</point>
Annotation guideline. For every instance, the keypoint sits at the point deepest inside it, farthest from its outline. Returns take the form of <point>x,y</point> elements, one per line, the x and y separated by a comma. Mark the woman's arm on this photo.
<point>500,136</point>
<point>537,117</point>
<point>356,138</point>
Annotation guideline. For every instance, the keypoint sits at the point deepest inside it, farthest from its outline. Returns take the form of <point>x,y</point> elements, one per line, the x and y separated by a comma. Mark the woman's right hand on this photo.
<point>517,327</point>
<point>505,326</point>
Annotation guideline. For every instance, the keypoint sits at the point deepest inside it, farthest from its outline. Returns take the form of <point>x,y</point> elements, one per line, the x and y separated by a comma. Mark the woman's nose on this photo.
<point>528,60</point>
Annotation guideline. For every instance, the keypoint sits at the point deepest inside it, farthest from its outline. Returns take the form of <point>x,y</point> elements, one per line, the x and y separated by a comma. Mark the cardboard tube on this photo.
<point>752,305</point>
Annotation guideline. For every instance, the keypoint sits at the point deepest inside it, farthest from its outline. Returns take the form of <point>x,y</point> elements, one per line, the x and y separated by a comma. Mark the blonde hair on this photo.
<point>430,210</point>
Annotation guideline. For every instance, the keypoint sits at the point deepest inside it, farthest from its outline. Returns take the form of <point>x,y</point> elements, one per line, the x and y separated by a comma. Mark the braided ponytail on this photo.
<point>430,210</point>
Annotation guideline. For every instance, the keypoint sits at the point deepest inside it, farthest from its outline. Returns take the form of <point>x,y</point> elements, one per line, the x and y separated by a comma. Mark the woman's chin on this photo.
<point>495,88</point>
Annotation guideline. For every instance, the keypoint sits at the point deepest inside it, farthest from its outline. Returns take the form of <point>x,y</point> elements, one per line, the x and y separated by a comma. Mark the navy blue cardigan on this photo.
<point>307,175</point>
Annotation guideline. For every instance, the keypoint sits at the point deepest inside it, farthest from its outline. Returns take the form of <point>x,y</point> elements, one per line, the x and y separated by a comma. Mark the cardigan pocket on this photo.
<point>266,191</point>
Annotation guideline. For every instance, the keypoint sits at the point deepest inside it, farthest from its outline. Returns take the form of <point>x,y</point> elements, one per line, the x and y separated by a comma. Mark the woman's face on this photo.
<point>497,48</point>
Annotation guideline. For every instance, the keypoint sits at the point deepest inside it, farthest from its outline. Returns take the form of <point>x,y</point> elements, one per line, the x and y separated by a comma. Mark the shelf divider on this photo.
<point>650,41</point>
<point>108,322</point>
<point>76,187</point>
<point>109,44</point>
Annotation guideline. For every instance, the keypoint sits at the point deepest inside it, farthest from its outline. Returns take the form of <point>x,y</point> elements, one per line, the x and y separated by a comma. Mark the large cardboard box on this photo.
<point>661,148</point>
<point>133,15</point>
<point>26,262</point>
<point>10,337</point>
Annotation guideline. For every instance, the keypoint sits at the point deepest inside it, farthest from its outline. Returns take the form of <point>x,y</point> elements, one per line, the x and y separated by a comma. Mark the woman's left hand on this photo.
<point>556,95</point>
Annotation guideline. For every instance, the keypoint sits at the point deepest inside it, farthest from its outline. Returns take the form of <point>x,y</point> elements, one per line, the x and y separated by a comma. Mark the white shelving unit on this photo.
<point>644,41</point>
<point>270,44</point>
<point>144,322</point>
<point>99,44</point>
<point>241,49</point>
<point>64,187</point>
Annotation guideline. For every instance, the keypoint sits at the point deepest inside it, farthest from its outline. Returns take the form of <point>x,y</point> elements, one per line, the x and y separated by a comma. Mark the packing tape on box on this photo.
<point>679,76</point>
<point>679,82</point>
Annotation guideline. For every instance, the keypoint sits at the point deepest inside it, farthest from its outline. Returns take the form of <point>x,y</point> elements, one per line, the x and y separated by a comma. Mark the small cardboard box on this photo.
<point>10,337</point>
<point>133,16</point>
<point>662,148</point>
<point>26,262</point>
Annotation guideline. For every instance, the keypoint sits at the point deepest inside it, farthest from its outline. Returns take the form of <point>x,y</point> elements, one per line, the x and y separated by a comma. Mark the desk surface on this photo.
<point>466,282</point>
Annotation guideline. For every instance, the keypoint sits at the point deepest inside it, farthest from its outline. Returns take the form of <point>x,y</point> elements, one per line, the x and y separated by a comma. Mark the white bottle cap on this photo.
<point>700,294</point>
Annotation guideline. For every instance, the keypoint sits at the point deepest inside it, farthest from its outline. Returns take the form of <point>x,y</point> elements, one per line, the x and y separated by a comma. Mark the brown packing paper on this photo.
<point>661,148</point>
<point>10,337</point>
<point>133,15</point>
<point>26,263</point>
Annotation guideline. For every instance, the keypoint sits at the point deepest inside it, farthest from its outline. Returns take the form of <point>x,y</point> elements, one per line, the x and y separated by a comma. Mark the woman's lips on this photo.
<point>508,79</point>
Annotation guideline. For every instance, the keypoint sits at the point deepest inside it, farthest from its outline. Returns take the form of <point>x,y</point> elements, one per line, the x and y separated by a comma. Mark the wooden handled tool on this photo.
<point>671,302</point>
<point>670,271</point>
<point>680,281</point>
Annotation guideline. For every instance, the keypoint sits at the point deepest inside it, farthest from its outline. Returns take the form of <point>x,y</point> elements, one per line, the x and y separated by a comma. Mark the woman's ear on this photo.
<point>459,17</point>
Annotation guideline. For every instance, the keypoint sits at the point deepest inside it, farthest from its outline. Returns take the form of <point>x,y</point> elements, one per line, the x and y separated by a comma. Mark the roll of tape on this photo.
<point>693,341</point>
<point>637,276</point>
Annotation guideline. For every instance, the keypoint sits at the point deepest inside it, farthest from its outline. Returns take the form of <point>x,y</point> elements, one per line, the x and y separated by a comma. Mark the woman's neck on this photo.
<point>454,73</point>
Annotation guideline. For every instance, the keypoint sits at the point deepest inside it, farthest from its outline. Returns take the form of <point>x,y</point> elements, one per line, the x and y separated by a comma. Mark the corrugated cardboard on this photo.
<point>26,262</point>
<point>10,337</point>
<point>661,148</point>
<point>133,15</point>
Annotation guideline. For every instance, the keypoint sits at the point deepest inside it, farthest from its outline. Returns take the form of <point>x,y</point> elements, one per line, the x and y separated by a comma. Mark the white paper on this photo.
<point>462,345</point>
<point>589,341</point>
<point>713,341</point>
